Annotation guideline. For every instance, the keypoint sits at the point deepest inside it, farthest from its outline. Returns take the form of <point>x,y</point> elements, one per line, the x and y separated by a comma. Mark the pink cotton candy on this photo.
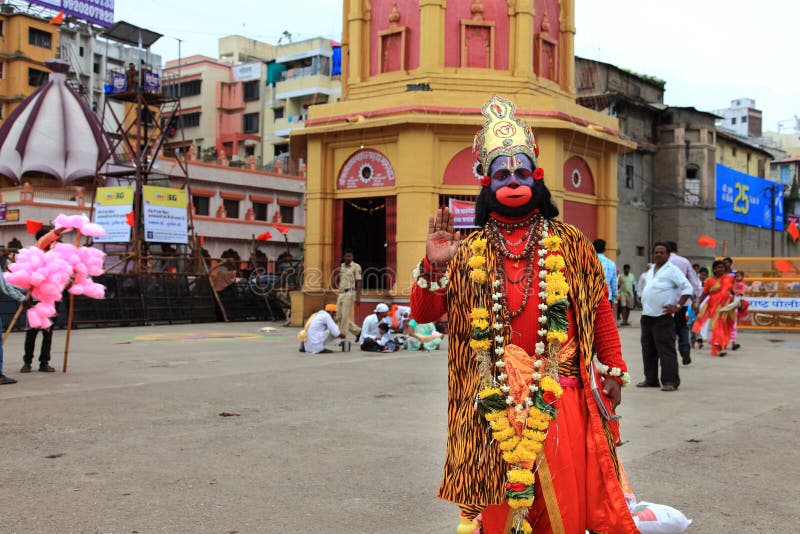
<point>80,223</point>
<point>20,279</point>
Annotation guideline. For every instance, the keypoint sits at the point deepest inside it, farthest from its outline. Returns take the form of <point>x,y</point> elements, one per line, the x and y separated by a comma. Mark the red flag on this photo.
<point>266,236</point>
<point>129,218</point>
<point>58,19</point>
<point>202,240</point>
<point>793,231</point>
<point>282,229</point>
<point>784,266</point>
<point>706,241</point>
<point>32,226</point>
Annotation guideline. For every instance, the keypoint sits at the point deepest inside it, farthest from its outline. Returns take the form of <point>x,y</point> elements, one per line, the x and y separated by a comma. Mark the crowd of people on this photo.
<point>682,306</point>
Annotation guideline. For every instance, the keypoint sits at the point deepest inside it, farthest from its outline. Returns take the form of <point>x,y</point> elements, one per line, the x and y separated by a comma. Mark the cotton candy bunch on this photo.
<point>47,274</point>
<point>80,223</point>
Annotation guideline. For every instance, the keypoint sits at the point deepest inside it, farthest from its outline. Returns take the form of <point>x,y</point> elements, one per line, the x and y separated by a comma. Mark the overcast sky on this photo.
<point>708,51</point>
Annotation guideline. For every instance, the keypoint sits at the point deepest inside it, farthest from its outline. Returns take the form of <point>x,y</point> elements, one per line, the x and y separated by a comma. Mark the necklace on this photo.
<point>534,225</point>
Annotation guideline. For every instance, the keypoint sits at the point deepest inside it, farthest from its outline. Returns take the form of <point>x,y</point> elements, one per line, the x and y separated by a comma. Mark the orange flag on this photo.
<point>793,231</point>
<point>129,218</point>
<point>706,241</point>
<point>282,229</point>
<point>784,266</point>
<point>33,226</point>
<point>266,236</point>
<point>58,19</point>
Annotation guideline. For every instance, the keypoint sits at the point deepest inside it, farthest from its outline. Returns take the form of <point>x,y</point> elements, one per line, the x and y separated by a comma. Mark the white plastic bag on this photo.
<point>659,519</point>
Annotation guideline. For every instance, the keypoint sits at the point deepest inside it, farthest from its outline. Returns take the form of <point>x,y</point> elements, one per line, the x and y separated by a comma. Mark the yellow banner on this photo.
<point>164,196</point>
<point>121,195</point>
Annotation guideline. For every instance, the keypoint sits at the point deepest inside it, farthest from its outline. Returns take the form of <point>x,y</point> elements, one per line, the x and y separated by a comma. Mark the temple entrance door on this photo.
<point>364,230</point>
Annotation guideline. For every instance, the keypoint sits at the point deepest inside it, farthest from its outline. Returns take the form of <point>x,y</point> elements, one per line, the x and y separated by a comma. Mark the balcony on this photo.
<point>282,127</point>
<point>298,84</point>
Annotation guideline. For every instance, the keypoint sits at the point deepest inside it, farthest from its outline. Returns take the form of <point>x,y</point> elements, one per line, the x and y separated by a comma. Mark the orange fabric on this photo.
<point>720,322</point>
<point>575,461</point>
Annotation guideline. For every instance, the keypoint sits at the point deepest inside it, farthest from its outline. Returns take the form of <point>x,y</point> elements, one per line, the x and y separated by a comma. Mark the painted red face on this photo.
<point>512,180</point>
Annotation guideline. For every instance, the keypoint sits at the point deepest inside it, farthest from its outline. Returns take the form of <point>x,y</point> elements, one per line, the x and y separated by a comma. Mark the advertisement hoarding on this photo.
<point>111,207</point>
<point>749,200</point>
<point>246,72</point>
<point>463,212</point>
<point>165,215</point>
<point>100,12</point>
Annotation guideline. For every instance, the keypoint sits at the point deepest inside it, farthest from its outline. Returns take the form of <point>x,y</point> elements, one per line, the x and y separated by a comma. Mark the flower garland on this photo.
<point>422,281</point>
<point>494,401</point>
<point>615,372</point>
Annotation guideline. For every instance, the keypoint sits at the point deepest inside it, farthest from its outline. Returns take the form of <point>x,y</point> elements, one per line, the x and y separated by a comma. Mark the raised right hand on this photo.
<point>442,242</point>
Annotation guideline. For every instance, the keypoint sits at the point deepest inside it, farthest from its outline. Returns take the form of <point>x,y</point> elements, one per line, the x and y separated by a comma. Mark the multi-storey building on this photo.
<point>92,58</point>
<point>668,187</point>
<point>248,102</point>
<point>26,42</point>
<point>741,118</point>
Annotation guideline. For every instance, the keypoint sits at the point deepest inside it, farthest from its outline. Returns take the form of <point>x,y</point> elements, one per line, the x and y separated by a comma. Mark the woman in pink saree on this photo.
<point>719,290</point>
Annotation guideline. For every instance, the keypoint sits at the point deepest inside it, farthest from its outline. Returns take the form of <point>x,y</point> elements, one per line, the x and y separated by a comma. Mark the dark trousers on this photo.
<point>682,331</point>
<point>370,345</point>
<point>30,345</point>
<point>658,346</point>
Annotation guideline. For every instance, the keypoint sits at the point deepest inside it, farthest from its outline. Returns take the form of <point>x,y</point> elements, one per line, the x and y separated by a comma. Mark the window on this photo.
<point>80,51</point>
<point>691,195</point>
<point>96,68</point>
<point>287,214</point>
<point>40,38</point>
<point>1,27</point>
<point>202,205</point>
<point>36,77</point>
<point>629,176</point>
<point>231,208</point>
<point>190,120</point>
<point>744,119</point>
<point>733,151</point>
<point>2,111</point>
<point>2,69</point>
<point>733,120</point>
<point>251,90</point>
<point>250,122</point>
<point>176,90</point>
<point>691,173</point>
<point>280,149</point>
<point>278,113</point>
<point>260,211</point>
<point>640,251</point>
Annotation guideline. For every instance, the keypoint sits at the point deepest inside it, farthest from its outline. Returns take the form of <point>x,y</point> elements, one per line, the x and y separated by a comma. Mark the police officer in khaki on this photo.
<point>349,280</point>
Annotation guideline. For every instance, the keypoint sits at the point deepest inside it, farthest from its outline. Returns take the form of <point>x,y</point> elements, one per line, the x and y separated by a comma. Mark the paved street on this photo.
<point>131,440</point>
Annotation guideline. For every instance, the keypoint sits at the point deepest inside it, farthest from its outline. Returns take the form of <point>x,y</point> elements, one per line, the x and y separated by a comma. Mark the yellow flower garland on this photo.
<point>520,451</point>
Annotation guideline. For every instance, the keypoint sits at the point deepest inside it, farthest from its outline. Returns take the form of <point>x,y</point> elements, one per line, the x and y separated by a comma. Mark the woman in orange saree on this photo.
<point>719,290</point>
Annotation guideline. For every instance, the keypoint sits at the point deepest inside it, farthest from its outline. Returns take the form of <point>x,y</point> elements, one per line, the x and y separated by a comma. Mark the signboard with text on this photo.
<point>749,200</point>
<point>100,12</point>
<point>366,168</point>
<point>463,212</point>
<point>165,215</point>
<point>111,207</point>
<point>246,72</point>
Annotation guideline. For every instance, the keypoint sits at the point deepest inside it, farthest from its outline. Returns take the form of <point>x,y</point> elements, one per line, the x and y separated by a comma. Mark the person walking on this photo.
<point>627,282</point>
<point>666,291</point>
<point>349,283</point>
<point>712,311</point>
<point>15,294</point>
<point>681,326</point>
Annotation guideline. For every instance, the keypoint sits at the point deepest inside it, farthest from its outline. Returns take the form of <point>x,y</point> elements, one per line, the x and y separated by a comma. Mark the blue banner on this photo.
<point>745,199</point>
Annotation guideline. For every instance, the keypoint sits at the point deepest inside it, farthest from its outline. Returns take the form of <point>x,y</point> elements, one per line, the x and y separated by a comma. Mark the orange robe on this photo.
<point>577,487</point>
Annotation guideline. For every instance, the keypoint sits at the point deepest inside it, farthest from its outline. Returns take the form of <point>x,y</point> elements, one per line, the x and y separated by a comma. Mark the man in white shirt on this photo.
<point>369,329</point>
<point>666,291</point>
<point>319,329</point>
<point>681,327</point>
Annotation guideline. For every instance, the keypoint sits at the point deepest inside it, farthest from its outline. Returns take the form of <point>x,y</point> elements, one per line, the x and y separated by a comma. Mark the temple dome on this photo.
<point>53,132</point>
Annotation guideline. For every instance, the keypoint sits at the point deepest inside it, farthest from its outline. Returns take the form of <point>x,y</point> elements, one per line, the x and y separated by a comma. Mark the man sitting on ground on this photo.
<point>319,329</point>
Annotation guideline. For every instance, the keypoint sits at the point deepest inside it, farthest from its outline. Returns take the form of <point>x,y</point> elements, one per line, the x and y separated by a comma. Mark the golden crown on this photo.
<point>502,134</point>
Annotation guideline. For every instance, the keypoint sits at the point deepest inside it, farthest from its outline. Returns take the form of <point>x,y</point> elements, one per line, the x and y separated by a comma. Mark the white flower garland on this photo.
<point>616,372</point>
<point>423,282</point>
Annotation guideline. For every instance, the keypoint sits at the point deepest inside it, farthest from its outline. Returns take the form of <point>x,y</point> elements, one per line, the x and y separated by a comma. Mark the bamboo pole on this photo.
<point>69,313</point>
<point>15,318</point>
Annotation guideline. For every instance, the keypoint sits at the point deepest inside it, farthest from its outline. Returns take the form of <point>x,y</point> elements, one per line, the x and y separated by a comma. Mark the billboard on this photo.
<point>111,207</point>
<point>745,199</point>
<point>463,212</point>
<point>246,72</point>
<point>100,12</point>
<point>165,215</point>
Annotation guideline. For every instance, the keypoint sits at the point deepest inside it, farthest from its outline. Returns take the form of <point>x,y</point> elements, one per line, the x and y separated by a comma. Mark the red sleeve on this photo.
<point>426,305</point>
<point>606,337</point>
